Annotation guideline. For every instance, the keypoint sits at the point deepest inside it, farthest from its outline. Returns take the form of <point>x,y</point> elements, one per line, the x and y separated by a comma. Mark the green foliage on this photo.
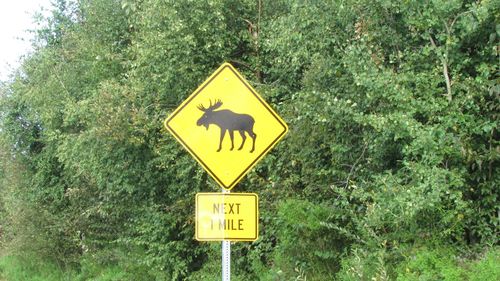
<point>303,242</point>
<point>445,264</point>
<point>366,265</point>
<point>419,263</point>
<point>33,269</point>
<point>431,265</point>
<point>393,145</point>
<point>15,268</point>
<point>486,268</point>
<point>113,264</point>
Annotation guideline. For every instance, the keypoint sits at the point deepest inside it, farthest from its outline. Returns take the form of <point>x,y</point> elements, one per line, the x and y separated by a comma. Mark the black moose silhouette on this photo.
<point>227,121</point>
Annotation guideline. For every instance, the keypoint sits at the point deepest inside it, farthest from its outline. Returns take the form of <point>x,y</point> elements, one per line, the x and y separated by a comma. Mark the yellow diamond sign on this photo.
<point>226,126</point>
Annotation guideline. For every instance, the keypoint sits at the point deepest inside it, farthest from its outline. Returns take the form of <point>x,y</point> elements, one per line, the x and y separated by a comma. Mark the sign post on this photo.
<point>226,255</point>
<point>226,260</point>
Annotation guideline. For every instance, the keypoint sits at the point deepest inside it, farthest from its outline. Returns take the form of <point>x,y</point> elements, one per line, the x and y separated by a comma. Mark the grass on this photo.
<point>426,264</point>
<point>15,268</point>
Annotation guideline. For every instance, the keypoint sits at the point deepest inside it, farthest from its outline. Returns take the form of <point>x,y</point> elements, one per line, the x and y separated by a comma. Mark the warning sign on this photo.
<point>226,126</point>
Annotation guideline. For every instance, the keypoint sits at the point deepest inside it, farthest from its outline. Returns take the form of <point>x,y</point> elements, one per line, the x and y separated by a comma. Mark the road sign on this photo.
<point>227,216</point>
<point>226,126</point>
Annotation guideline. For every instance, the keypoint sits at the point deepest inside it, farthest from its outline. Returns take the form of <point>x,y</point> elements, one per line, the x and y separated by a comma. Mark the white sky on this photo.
<point>16,18</point>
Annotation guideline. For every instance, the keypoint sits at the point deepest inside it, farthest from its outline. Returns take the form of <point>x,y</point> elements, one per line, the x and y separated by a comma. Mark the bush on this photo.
<point>431,264</point>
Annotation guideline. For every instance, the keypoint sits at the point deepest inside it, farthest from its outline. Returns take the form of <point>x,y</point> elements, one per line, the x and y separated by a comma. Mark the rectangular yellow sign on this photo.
<point>227,216</point>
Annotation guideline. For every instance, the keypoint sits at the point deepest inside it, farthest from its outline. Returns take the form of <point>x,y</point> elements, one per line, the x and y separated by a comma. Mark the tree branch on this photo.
<point>240,63</point>
<point>354,165</point>
<point>445,70</point>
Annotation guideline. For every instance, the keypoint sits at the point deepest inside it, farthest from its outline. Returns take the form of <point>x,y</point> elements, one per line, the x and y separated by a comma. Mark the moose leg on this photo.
<point>242,133</point>
<point>222,133</point>
<point>253,136</point>
<point>231,135</point>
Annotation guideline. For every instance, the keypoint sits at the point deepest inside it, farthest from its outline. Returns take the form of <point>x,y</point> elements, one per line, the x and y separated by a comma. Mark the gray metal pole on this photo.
<point>226,261</point>
<point>226,256</point>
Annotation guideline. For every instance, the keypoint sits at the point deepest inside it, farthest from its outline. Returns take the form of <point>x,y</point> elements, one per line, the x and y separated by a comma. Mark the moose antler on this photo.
<point>216,105</point>
<point>201,107</point>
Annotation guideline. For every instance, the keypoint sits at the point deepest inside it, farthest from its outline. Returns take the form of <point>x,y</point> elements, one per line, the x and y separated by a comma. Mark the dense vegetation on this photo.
<point>390,170</point>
